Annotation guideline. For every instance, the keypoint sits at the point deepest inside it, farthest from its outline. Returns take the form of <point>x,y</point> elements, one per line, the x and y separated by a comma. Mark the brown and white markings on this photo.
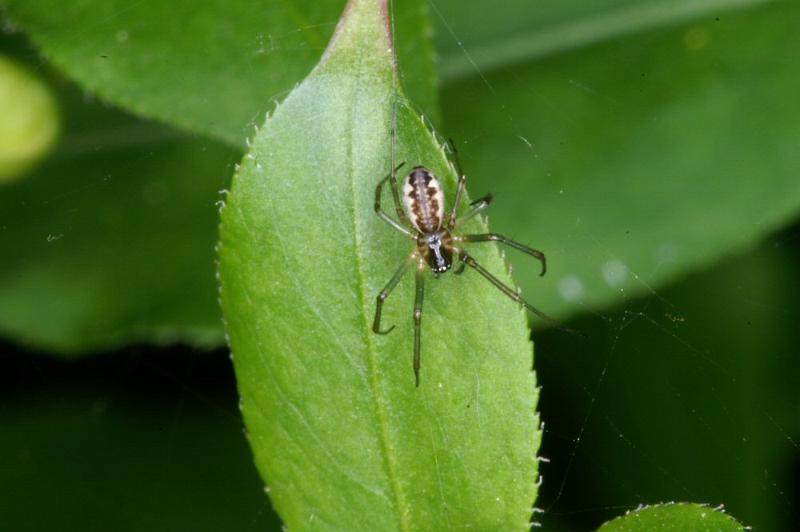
<point>423,199</point>
<point>421,217</point>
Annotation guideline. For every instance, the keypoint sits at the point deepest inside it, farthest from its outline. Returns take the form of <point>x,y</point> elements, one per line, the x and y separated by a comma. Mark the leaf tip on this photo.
<point>364,24</point>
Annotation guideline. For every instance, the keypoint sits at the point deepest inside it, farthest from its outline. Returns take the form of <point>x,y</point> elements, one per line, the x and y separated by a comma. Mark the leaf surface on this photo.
<point>341,435</point>
<point>681,517</point>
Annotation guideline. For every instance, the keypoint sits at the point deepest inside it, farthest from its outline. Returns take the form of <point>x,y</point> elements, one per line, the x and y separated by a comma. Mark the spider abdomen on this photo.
<point>423,200</point>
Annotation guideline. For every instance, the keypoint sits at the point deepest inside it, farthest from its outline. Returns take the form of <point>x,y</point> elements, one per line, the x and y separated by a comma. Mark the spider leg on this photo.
<point>493,237</point>
<point>398,206</point>
<point>456,159</point>
<point>462,179</point>
<point>477,206</point>
<point>420,278</point>
<point>382,214</point>
<point>507,290</point>
<point>376,323</point>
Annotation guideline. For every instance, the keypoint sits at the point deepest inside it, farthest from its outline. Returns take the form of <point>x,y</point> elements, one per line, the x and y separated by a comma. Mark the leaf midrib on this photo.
<point>381,415</point>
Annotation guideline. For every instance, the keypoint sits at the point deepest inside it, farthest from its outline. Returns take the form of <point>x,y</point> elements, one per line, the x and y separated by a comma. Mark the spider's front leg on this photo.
<point>392,178</point>
<point>462,180</point>
<point>379,209</point>
<point>398,207</point>
<point>477,206</point>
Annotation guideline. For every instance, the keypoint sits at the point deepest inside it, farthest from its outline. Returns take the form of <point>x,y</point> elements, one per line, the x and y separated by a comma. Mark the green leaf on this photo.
<point>211,67</point>
<point>519,31</point>
<point>341,435</point>
<point>681,517</point>
<point>111,241</point>
<point>633,162</point>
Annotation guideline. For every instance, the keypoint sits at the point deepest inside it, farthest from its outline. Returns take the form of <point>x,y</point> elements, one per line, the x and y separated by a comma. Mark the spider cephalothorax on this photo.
<point>437,251</point>
<point>422,217</point>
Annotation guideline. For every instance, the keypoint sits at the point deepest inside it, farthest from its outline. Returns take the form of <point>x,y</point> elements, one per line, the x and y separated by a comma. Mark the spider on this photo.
<point>422,218</point>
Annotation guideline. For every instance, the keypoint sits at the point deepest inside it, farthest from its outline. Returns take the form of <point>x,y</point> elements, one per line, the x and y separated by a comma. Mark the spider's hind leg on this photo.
<point>420,278</point>
<point>493,237</point>
<point>469,261</point>
<point>376,322</point>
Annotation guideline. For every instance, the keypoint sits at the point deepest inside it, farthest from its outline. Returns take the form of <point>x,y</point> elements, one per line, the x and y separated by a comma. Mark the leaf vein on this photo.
<point>390,461</point>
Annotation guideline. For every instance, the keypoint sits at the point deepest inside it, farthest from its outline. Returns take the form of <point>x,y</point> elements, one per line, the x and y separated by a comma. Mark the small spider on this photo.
<point>422,218</point>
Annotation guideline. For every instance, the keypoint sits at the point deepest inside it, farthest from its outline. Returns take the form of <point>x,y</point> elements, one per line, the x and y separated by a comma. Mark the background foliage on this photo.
<point>648,147</point>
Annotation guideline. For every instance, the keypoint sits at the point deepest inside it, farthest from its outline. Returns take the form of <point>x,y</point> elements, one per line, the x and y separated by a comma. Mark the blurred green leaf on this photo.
<point>681,517</point>
<point>632,162</point>
<point>342,436</point>
<point>472,39</point>
<point>212,67</point>
<point>30,121</point>
<point>112,240</point>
